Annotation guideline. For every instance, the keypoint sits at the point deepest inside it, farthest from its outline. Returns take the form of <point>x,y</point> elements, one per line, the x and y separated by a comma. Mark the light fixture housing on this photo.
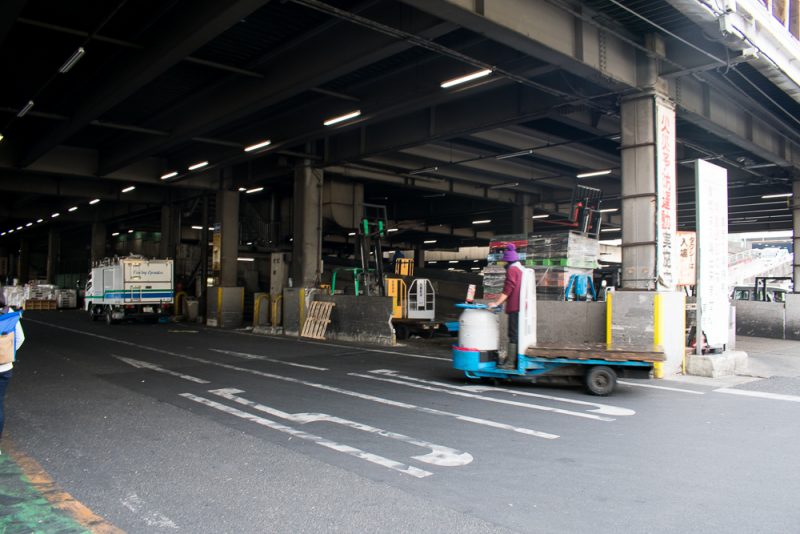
<point>482,221</point>
<point>611,229</point>
<point>130,231</point>
<point>129,189</point>
<point>515,154</point>
<point>592,174</point>
<point>504,185</point>
<point>777,195</point>
<point>93,202</point>
<point>197,227</point>
<point>39,220</point>
<point>542,216</point>
<point>198,165</point>
<point>115,234</point>
<point>466,78</point>
<point>256,146</point>
<point>169,175</point>
<point>254,190</point>
<point>56,214</point>
<point>24,111</point>
<point>29,225</point>
<point>245,259</point>
<point>393,230</point>
<point>430,241</point>
<point>74,58</point>
<point>73,208</point>
<point>609,210</point>
<point>342,118</point>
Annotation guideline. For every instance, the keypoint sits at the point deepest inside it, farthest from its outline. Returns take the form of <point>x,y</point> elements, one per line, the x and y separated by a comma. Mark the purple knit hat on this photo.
<point>510,254</point>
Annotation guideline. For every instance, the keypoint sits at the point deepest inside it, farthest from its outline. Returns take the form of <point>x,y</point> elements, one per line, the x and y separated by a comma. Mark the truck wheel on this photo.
<point>109,320</point>
<point>92,314</point>
<point>601,380</point>
<point>401,331</point>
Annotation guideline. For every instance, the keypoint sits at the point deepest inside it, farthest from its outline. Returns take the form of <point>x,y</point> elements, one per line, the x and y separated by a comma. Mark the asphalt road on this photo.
<point>168,428</point>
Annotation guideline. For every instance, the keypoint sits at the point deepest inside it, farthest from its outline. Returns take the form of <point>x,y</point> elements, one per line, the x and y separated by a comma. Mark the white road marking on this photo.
<point>248,356</point>
<point>380,351</point>
<point>388,402</point>
<point>153,367</point>
<point>665,388</point>
<point>605,409</point>
<point>487,399</point>
<point>439,455</point>
<point>323,442</point>
<point>152,518</point>
<point>758,394</point>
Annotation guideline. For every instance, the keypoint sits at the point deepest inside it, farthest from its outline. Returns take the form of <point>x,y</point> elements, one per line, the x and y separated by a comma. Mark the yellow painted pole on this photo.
<point>658,367</point>
<point>302,308</point>
<point>219,306</point>
<point>609,307</point>
<point>257,307</point>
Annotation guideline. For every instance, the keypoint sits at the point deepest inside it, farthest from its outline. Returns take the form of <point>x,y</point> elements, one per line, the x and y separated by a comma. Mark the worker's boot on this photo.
<point>511,357</point>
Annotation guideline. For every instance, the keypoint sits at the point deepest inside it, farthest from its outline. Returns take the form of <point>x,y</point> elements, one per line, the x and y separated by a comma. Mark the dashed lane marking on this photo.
<point>381,400</point>
<point>439,455</point>
<point>759,394</point>
<point>487,399</point>
<point>151,518</point>
<point>248,356</point>
<point>153,367</point>
<point>665,388</point>
<point>604,409</point>
<point>323,442</point>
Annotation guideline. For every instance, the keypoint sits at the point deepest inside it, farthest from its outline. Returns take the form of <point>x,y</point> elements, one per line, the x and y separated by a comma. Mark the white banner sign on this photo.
<point>711,185</point>
<point>666,225</point>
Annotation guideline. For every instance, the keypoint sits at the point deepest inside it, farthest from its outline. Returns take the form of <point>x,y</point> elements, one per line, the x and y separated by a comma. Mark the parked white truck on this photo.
<point>132,287</point>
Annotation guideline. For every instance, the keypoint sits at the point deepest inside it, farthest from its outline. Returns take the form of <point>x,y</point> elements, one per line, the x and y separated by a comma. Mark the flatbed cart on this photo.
<point>597,365</point>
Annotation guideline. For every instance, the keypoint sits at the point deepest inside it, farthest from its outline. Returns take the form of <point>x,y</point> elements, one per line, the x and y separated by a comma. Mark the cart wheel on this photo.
<point>401,331</point>
<point>601,380</point>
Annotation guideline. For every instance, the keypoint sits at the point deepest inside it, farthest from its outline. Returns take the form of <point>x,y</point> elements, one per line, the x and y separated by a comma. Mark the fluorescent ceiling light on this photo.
<point>210,228</point>
<point>56,214</point>
<point>475,268</point>
<point>609,210</point>
<point>19,227</point>
<point>451,268</point>
<point>69,63</point>
<point>25,109</point>
<point>93,202</point>
<point>466,78</point>
<point>778,195</point>
<point>197,227</point>
<point>245,259</point>
<point>130,231</point>
<point>199,165</point>
<point>169,175</point>
<point>254,190</point>
<point>242,189</point>
<point>482,221</point>
<point>262,144</point>
<point>39,220</point>
<point>426,169</point>
<point>504,185</point>
<point>129,189</point>
<point>432,262</point>
<point>351,234</point>
<point>610,229</point>
<point>453,261</point>
<point>4,233</point>
<point>543,216</point>
<point>393,230</point>
<point>593,173</point>
<point>11,231</point>
<point>515,154</point>
<point>249,243</point>
<point>1,137</point>
<point>342,118</point>
<point>115,234</point>
<point>29,225</point>
<point>73,208</point>
<point>430,241</point>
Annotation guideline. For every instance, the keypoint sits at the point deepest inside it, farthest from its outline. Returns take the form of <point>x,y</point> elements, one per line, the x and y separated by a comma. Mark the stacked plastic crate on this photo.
<point>556,257</point>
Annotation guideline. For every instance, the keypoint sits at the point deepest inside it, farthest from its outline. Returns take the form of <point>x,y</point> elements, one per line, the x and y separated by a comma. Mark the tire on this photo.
<point>109,320</point>
<point>92,314</point>
<point>401,331</point>
<point>601,380</point>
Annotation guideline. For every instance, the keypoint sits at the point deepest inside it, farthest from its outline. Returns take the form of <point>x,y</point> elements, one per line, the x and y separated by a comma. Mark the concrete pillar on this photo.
<point>228,218</point>
<point>796,233</point>
<point>307,225</point>
<point>166,247</point>
<point>24,261</point>
<point>98,241</point>
<point>53,252</point>
<point>522,216</point>
<point>648,192</point>
<point>419,257</point>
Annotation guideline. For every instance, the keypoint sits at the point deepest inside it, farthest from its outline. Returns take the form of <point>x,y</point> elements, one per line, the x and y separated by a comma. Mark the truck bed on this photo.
<point>598,351</point>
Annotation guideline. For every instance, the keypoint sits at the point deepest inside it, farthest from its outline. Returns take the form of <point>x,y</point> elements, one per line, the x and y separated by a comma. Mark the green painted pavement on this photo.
<point>25,510</point>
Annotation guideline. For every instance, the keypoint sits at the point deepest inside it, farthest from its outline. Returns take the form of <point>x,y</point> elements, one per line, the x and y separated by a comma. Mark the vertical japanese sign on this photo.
<point>711,186</point>
<point>687,258</point>
<point>666,197</point>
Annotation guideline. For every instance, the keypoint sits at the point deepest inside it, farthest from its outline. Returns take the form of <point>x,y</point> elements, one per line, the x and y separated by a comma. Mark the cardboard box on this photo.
<point>6,348</point>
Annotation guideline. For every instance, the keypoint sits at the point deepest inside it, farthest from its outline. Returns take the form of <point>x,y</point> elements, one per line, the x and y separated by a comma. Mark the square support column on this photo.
<point>522,216</point>
<point>796,233</point>
<point>169,218</point>
<point>98,241</point>
<point>228,218</point>
<point>53,252</point>
<point>307,224</point>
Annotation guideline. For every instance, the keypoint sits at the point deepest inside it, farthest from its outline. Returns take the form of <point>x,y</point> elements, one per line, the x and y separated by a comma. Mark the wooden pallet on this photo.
<point>33,304</point>
<point>317,320</point>
<point>598,351</point>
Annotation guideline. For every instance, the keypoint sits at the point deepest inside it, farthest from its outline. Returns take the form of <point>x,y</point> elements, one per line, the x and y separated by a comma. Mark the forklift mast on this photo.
<point>371,230</point>
<point>586,209</point>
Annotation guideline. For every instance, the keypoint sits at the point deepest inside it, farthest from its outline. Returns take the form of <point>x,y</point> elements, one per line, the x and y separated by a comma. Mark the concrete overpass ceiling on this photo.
<point>164,85</point>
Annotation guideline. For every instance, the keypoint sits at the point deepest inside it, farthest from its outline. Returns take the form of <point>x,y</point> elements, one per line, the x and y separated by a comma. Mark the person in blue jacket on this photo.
<point>8,325</point>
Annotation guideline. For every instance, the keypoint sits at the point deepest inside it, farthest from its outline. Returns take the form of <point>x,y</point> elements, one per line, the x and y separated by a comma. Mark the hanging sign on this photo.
<point>666,197</point>
<point>687,258</point>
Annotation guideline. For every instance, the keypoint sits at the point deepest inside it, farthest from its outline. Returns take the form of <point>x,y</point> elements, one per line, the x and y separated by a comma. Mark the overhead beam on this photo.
<point>184,33</point>
<point>346,49</point>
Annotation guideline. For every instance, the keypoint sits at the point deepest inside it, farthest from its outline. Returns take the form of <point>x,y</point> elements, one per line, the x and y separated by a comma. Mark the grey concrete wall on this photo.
<point>633,318</point>
<point>291,311</point>
<point>564,322</point>
<point>760,319</point>
<point>792,321</point>
<point>362,319</point>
